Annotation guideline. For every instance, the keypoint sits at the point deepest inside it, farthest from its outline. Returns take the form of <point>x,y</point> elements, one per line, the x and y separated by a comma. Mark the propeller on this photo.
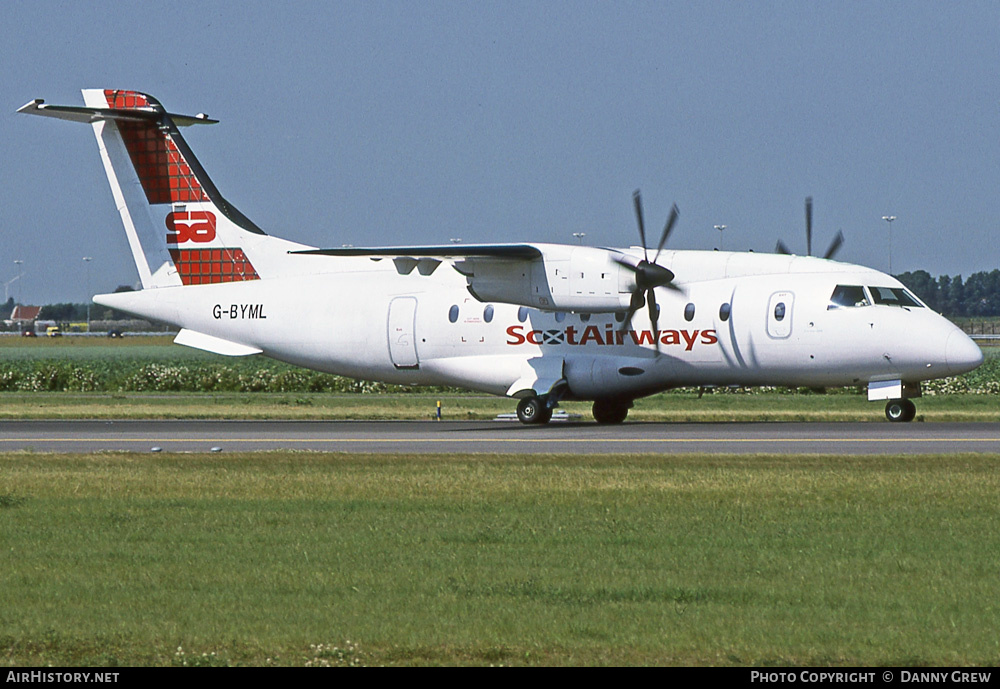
<point>648,274</point>
<point>834,247</point>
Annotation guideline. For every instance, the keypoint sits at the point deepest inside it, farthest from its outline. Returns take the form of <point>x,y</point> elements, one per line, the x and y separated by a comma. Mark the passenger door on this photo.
<point>779,315</point>
<point>402,332</point>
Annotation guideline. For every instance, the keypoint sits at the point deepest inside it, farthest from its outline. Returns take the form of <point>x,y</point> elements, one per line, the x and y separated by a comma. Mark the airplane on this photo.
<point>541,323</point>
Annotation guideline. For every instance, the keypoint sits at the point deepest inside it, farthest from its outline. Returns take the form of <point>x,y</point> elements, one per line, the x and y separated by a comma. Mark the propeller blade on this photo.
<point>654,311</point>
<point>622,262</point>
<point>667,229</point>
<point>637,200</point>
<point>654,317</point>
<point>809,226</point>
<point>627,323</point>
<point>780,248</point>
<point>637,303</point>
<point>835,245</point>
<point>648,274</point>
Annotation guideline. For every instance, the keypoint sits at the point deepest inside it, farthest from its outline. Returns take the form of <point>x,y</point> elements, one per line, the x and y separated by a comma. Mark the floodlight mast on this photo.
<point>721,229</point>
<point>889,219</point>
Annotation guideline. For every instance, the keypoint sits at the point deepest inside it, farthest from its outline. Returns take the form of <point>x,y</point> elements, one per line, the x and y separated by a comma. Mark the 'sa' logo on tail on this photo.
<point>193,226</point>
<point>204,266</point>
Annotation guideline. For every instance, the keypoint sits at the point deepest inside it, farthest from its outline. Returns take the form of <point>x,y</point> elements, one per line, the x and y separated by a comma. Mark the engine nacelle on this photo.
<point>607,376</point>
<point>564,278</point>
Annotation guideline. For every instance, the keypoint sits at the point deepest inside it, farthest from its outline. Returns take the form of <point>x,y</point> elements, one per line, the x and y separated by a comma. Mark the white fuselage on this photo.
<point>368,318</point>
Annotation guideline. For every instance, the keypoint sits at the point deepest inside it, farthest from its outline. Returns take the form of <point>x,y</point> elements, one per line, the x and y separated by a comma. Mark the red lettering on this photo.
<point>642,337</point>
<point>514,331</point>
<point>591,333</point>
<point>194,226</point>
<point>689,339</point>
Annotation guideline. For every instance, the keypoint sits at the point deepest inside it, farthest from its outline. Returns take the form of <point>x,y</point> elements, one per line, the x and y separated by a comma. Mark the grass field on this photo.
<point>668,408</point>
<point>300,558</point>
<point>283,558</point>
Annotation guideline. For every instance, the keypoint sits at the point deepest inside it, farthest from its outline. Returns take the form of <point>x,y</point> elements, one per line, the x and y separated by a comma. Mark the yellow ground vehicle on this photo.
<point>53,331</point>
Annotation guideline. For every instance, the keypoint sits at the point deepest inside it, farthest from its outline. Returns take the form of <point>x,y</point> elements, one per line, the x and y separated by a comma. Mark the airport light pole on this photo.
<point>6,288</point>
<point>889,219</point>
<point>18,262</point>
<point>87,260</point>
<point>579,236</point>
<point>721,229</point>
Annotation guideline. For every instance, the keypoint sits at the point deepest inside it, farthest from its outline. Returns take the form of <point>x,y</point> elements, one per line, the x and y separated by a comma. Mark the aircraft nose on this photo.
<point>961,353</point>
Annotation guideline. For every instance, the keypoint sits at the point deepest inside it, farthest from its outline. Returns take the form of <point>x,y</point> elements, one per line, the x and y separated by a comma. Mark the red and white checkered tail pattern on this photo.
<point>180,229</point>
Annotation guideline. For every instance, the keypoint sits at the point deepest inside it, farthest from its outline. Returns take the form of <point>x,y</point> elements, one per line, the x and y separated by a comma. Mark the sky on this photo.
<point>401,123</point>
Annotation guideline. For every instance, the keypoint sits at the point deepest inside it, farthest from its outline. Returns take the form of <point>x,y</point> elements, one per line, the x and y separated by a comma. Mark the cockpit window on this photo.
<point>848,296</point>
<point>894,296</point>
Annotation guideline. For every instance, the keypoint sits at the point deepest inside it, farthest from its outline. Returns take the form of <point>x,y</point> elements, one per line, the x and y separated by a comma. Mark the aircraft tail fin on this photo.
<point>180,229</point>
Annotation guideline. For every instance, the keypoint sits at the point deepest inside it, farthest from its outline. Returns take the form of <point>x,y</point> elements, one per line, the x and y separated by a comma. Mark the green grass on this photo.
<point>669,407</point>
<point>704,560</point>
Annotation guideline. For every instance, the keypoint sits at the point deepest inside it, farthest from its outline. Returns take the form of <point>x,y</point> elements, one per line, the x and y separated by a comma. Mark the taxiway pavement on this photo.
<point>493,437</point>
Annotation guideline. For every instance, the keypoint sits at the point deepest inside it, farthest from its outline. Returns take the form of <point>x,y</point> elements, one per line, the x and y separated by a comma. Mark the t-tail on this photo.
<point>180,229</point>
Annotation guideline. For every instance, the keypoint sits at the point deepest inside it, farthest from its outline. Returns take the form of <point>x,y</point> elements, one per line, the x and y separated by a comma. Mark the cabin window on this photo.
<point>560,316</point>
<point>619,316</point>
<point>848,296</point>
<point>894,296</point>
<point>522,314</point>
<point>453,313</point>
<point>724,311</point>
<point>488,313</point>
<point>689,312</point>
<point>584,317</point>
<point>779,311</point>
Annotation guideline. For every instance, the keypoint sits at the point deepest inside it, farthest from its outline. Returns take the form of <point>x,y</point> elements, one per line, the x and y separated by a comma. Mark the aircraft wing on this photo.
<point>549,277</point>
<point>520,252</point>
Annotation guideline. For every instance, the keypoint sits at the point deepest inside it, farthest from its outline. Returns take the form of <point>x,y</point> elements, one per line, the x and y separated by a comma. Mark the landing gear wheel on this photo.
<point>610,411</point>
<point>900,410</point>
<point>533,410</point>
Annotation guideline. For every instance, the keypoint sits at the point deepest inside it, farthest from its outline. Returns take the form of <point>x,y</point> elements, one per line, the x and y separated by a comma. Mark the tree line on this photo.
<point>977,297</point>
<point>66,312</point>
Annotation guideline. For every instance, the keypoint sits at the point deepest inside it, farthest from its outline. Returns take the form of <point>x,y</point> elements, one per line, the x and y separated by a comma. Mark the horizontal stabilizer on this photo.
<point>91,115</point>
<point>216,345</point>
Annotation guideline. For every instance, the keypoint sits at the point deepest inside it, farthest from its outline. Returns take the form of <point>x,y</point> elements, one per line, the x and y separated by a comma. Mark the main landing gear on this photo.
<point>900,410</point>
<point>534,410</point>
<point>611,411</point>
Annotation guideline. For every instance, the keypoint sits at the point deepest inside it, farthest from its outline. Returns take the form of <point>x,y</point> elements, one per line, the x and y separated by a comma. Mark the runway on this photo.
<point>492,437</point>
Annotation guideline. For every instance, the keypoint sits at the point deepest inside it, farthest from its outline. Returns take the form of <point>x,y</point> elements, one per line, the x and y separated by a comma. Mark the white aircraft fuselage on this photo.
<point>338,322</point>
<point>539,322</point>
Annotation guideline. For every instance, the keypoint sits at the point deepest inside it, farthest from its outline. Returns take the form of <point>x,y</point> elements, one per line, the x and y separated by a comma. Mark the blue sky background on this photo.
<point>414,122</point>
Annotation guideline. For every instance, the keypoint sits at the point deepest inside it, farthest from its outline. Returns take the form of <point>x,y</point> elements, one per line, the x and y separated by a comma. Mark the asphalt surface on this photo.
<point>393,437</point>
